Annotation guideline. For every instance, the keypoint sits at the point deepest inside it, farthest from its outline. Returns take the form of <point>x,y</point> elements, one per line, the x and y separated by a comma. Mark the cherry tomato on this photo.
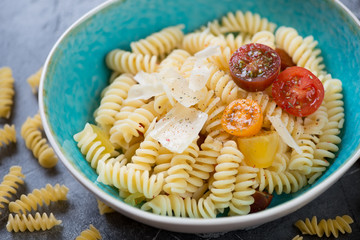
<point>261,201</point>
<point>242,117</point>
<point>286,60</point>
<point>298,91</point>
<point>254,66</point>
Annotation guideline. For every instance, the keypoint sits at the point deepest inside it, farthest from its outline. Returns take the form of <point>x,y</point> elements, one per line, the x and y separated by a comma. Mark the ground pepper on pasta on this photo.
<point>210,176</point>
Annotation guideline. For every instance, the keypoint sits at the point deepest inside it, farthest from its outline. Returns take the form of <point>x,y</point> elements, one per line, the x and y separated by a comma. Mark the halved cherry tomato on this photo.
<point>242,117</point>
<point>286,60</point>
<point>261,201</point>
<point>254,66</point>
<point>298,91</point>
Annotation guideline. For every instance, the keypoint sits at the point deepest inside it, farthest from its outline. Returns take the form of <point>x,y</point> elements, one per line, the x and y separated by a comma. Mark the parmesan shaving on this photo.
<point>208,52</point>
<point>144,92</point>
<point>144,78</point>
<point>179,128</point>
<point>284,133</point>
<point>179,87</point>
<point>201,73</point>
<point>149,86</point>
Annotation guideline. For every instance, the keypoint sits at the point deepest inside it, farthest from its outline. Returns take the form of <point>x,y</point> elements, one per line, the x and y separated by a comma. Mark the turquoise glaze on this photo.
<point>76,71</point>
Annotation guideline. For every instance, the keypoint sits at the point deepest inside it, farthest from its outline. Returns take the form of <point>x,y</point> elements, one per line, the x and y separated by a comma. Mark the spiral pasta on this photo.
<point>213,106</point>
<point>89,234</point>
<point>112,100</point>
<point>34,80</point>
<point>195,42</point>
<point>34,141</point>
<point>128,179</point>
<point>103,208</point>
<point>178,173</point>
<point>243,191</point>
<point>160,43</point>
<point>297,237</point>
<point>173,205</point>
<point>6,92</point>
<point>10,184</point>
<point>223,86</point>
<point>127,62</point>
<point>302,50</point>
<point>264,37</point>
<point>145,155</point>
<point>136,121</point>
<point>225,174</point>
<point>39,222</point>
<point>7,135</point>
<point>328,227</point>
<point>92,145</point>
<point>163,161</point>
<point>39,197</point>
<point>283,182</point>
<point>174,60</point>
<point>248,23</point>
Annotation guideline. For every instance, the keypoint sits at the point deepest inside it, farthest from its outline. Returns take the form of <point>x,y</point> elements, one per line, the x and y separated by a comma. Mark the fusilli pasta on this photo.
<point>34,80</point>
<point>6,92</point>
<point>328,227</point>
<point>127,62</point>
<point>160,43</point>
<point>7,135</point>
<point>38,197</point>
<point>34,141</point>
<point>10,184</point>
<point>103,208</point>
<point>89,234</point>
<point>39,222</point>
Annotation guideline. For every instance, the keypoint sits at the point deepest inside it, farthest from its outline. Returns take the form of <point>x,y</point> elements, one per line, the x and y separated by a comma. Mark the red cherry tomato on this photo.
<point>261,201</point>
<point>298,91</point>
<point>254,66</point>
<point>286,60</point>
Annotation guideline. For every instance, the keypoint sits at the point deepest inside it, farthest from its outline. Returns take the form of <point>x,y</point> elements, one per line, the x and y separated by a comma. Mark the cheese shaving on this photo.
<point>179,128</point>
<point>284,133</point>
<point>208,52</point>
<point>201,73</point>
<point>144,78</point>
<point>149,86</point>
<point>145,92</point>
<point>179,87</point>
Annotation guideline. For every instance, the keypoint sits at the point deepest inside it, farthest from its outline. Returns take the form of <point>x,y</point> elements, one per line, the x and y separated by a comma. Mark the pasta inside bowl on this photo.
<point>188,179</point>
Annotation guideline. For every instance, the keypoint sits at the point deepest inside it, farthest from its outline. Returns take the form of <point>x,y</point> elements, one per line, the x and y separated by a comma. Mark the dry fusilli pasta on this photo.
<point>34,141</point>
<point>34,80</point>
<point>9,185</point>
<point>103,208</point>
<point>6,92</point>
<point>7,135</point>
<point>38,197</point>
<point>89,234</point>
<point>328,227</point>
<point>39,222</point>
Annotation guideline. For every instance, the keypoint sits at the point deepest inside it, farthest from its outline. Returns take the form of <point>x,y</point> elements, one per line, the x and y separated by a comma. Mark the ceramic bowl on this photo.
<point>75,74</point>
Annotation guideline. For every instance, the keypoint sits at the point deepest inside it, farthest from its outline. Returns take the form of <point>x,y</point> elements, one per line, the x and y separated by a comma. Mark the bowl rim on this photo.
<point>188,225</point>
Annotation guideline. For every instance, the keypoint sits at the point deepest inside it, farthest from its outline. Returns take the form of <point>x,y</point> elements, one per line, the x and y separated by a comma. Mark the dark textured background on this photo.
<point>28,30</point>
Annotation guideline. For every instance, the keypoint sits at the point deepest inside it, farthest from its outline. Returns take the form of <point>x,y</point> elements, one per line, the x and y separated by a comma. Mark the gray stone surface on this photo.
<point>28,29</point>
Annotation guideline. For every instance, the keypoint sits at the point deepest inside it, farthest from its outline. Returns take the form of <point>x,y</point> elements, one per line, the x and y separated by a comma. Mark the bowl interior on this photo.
<point>76,71</point>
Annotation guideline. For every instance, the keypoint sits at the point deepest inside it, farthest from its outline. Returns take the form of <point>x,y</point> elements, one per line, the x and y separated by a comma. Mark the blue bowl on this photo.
<point>75,74</point>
